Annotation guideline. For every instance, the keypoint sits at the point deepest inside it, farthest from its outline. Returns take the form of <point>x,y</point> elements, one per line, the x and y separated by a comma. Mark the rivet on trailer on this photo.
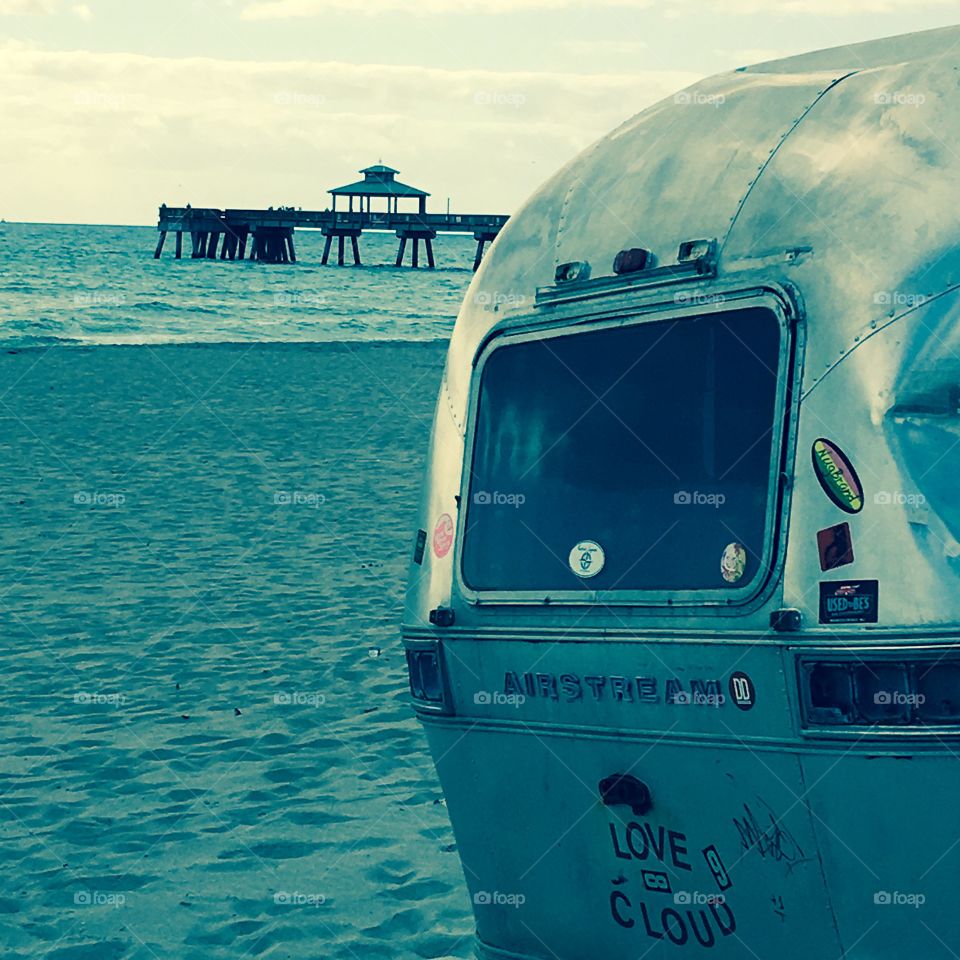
<point>683,625</point>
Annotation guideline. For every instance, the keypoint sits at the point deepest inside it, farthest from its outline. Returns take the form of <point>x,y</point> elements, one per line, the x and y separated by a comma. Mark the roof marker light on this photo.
<point>633,261</point>
<point>696,250</point>
<point>572,271</point>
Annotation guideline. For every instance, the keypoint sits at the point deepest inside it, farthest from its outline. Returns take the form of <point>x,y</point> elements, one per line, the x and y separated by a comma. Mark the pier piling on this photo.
<point>416,235</point>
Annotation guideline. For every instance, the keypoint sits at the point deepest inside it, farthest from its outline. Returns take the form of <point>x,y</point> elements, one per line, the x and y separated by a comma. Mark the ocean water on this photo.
<point>100,285</point>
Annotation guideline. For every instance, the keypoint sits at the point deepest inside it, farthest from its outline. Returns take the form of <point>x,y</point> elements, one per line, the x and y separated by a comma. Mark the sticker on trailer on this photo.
<point>849,601</point>
<point>443,536</point>
<point>587,559</point>
<point>837,476</point>
<point>742,691</point>
<point>835,546</point>
<point>421,545</point>
<point>733,563</point>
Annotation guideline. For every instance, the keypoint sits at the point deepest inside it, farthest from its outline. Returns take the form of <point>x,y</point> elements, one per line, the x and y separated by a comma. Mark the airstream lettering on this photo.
<point>570,687</point>
<point>717,322</point>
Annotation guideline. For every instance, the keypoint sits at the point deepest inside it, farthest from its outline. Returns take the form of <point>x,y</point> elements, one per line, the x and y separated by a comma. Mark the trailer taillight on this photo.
<point>867,692</point>
<point>426,678</point>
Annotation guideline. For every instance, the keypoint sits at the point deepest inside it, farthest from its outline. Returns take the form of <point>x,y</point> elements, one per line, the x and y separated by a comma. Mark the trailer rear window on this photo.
<point>633,457</point>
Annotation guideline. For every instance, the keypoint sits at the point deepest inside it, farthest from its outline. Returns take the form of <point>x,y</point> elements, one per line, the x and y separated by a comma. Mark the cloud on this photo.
<point>283,9</point>
<point>119,133</point>
<point>43,8</point>
<point>599,49</point>
<point>18,8</point>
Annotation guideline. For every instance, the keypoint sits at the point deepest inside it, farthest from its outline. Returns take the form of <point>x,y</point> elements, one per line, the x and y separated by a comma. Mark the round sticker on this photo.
<point>443,536</point>
<point>837,476</point>
<point>586,559</point>
<point>742,691</point>
<point>733,563</point>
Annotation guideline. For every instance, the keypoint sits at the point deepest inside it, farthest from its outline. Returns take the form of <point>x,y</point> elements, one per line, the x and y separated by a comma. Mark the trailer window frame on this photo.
<point>598,316</point>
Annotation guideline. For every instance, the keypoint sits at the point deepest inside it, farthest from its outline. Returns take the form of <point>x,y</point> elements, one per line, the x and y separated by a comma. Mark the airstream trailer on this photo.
<point>683,618</point>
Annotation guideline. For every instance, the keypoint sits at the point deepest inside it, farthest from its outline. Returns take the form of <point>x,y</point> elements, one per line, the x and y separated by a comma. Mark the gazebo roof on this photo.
<point>378,181</point>
<point>379,188</point>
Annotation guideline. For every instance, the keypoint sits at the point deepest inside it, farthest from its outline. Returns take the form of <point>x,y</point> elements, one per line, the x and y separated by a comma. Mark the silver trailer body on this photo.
<point>683,619</point>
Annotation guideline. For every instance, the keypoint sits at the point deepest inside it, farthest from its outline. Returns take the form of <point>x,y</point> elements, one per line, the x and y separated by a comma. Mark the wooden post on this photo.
<point>479,256</point>
<point>179,252</point>
<point>429,245</point>
<point>255,246</point>
<point>293,252</point>
<point>212,245</point>
<point>225,245</point>
<point>416,254</point>
<point>243,242</point>
<point>326,249</point>
<point>159,250</point>
<point>340,240</point>
<point>281,243</point>
<point>403,247</point>
<point>356,251</point>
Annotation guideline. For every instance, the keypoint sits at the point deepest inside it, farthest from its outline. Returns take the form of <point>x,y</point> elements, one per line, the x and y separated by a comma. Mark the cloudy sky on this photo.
<point>109,107</point>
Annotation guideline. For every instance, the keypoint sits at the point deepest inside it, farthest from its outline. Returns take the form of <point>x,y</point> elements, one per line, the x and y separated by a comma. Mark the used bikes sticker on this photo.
<point>849,601</point>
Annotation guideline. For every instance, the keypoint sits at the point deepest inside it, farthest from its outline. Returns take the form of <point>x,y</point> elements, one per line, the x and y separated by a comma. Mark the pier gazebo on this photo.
<point>379,181</point>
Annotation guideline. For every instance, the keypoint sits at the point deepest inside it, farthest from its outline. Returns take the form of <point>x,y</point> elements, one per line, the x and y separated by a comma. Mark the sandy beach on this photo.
<point>208,750</point>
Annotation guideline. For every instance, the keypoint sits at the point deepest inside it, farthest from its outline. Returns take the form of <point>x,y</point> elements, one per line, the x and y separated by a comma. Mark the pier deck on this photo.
<point>272,231</point>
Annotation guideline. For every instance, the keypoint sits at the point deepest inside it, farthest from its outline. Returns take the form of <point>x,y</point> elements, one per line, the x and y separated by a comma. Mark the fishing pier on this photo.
<point>267,235</point>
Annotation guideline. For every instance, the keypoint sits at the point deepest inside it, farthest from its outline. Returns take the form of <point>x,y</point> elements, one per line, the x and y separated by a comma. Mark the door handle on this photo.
<point>624,789</point>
